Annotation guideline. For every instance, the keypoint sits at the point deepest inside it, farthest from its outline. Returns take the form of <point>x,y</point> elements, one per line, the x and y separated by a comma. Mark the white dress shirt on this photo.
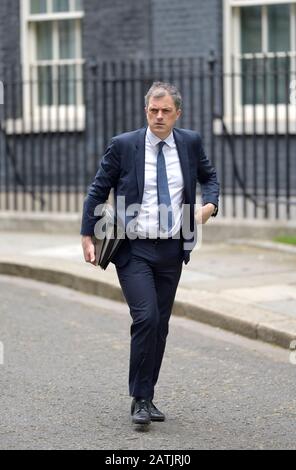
<point>148,219</point>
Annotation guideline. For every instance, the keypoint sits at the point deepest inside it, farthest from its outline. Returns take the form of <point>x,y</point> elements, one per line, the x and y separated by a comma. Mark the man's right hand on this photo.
<point>88,249</point>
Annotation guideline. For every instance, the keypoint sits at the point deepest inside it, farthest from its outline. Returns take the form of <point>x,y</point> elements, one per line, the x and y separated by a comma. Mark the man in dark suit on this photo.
<point>156,168</point>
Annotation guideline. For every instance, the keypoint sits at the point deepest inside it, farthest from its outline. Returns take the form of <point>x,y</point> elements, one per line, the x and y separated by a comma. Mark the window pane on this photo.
<point>265,81</point>
<point>252,81</point>
<point>60,5</point>
<point>278,70</point>
<point>279,28</point>
<point>79,5</point>
<point>45,83</point>
<point>44,41</point>
<point>67,40</point>
<point>38,6</point>
<point>67,85</point>
<point>251,29</point>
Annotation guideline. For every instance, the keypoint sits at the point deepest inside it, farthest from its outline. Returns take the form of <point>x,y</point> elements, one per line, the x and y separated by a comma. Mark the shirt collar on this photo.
<point>154,140</point>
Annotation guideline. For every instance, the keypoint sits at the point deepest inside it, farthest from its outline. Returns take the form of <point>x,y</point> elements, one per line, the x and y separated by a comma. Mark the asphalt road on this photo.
<point>64,380</point>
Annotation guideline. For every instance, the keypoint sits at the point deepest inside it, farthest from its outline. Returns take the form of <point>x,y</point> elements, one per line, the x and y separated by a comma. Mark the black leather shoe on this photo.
<point>155,414</point>
<point>141,411</point>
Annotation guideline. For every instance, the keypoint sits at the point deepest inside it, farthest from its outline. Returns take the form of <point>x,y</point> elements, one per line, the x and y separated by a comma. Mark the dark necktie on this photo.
<point>164,198</point>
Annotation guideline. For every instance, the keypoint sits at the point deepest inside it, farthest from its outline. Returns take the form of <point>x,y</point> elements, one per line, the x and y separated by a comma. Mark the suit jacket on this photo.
<point>123,167</point>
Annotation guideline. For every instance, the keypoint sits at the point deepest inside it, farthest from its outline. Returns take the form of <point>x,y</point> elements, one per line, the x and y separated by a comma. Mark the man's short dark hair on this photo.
<point>160,89</point>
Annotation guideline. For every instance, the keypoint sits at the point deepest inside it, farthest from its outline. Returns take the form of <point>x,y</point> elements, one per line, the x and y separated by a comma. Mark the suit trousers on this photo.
<point>149,282</point>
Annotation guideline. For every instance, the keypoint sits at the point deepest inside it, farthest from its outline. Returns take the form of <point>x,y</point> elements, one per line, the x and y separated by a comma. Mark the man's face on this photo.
<point>162,115</point>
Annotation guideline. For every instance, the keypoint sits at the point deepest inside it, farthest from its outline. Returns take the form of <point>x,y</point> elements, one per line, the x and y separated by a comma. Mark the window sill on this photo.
<point>258,121</point>
<point>34,126</point>
<point>60,16</point>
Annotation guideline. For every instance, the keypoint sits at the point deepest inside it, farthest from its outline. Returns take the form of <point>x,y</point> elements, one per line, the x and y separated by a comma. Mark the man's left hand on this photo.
<point>205,212</point>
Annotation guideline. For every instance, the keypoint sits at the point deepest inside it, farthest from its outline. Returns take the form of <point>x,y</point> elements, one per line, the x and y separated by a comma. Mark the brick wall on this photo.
<point>117,29</point>
<point>133,28</point>
<point>1,42</point>
<point>186,28</point>
<point>120,29</point>
<point>9,33</point>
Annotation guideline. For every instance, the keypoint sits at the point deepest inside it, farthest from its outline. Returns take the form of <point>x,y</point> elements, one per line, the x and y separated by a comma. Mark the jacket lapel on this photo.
<point>140,162</point>
<point>184,160</point>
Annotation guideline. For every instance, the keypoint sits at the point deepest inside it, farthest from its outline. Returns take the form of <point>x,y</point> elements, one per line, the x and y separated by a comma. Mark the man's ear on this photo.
<point>179,112</point>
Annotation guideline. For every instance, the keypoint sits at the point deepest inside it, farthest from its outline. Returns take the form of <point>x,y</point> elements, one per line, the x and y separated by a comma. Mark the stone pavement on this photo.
<point>246,287</point>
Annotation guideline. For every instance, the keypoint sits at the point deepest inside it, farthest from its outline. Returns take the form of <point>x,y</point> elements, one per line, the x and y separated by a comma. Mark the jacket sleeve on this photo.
<point>105,179</point>
<point>207,178</point>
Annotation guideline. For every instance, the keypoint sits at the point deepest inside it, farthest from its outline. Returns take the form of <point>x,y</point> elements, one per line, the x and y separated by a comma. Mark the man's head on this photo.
<point>163,108</point>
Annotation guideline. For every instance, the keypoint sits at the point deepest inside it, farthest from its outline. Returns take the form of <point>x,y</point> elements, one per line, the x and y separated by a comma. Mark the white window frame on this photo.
<point>239,118</point>
<point>46,118</point>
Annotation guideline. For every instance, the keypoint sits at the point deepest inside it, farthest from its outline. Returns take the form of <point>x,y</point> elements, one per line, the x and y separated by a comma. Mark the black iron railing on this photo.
<point>56,123</point>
